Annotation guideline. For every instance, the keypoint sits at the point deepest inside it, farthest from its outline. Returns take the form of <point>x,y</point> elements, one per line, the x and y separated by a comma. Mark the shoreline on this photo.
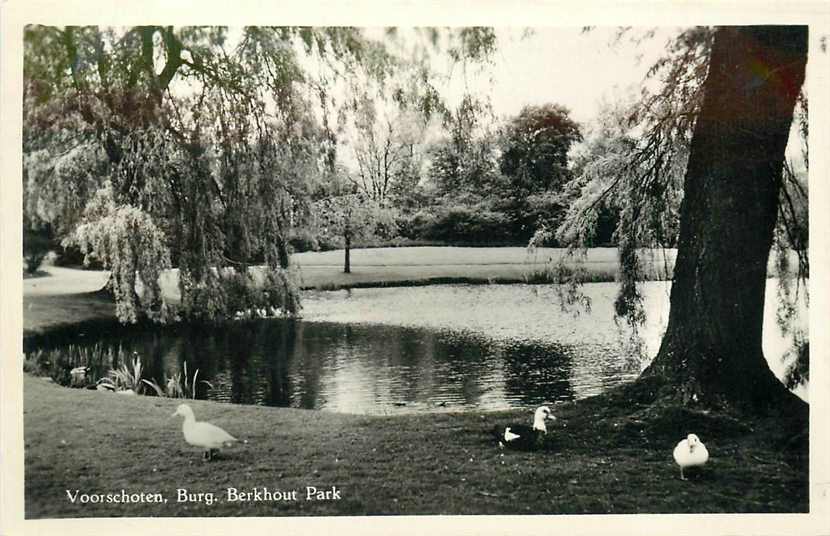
<point>68,296</point>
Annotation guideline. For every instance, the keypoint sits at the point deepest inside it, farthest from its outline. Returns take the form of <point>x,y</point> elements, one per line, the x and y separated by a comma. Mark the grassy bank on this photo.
<point>63,297</point>
<point>608,454</point>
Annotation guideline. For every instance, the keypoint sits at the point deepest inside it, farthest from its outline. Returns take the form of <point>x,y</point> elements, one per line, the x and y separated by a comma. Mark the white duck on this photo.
<point>202,434</point>
<point>690,452</point>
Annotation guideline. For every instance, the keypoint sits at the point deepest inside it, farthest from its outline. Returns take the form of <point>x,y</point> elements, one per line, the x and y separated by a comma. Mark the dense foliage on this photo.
<point>498,181</point>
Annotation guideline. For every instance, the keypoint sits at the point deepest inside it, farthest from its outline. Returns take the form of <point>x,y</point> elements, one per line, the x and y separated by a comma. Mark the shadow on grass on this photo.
<point>607,454</point>
<point>35,275</point>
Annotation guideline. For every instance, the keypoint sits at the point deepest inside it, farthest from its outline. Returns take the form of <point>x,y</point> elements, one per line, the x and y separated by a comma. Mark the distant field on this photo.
<point>430,256</point>
<point>419,264</point>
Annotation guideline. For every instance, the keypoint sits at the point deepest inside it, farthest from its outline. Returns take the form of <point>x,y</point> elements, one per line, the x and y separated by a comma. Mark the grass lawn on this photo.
<point>64,297</point>
<point>608,454</point>
<point>446,255</point>
<point>421,265</point>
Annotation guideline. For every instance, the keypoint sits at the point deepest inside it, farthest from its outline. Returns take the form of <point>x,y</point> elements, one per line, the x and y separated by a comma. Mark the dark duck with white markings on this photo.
<point>523,437</point>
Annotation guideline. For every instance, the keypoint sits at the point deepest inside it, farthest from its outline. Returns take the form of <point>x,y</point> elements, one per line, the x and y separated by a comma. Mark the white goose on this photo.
<point>202,434</point>
<point>690,452</point>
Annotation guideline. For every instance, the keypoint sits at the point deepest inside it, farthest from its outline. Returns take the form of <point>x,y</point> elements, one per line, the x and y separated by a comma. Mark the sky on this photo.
<point>563,65</point>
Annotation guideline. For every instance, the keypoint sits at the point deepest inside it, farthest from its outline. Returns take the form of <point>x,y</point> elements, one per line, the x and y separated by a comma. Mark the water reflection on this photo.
<point>531,314</point>
<point>446,349</point>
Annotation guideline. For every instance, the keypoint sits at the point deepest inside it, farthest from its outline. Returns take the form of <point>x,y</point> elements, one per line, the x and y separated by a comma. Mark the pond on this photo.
<point>419,349</point>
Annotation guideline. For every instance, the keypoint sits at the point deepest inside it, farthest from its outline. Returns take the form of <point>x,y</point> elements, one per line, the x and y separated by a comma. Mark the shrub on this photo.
<point>240,292</point>
<point>36,246</point>
<point>466,224</point>
<point>227,294</point>
<point>71,255</point>
<point>303,241</point>
<point>414,226</point>
<point>281,291</point>
<point>204,300</point>
<point>329,242</point>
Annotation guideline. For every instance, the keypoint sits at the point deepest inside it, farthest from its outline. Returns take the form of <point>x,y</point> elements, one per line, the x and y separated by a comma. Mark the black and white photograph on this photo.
<point>410,267</point>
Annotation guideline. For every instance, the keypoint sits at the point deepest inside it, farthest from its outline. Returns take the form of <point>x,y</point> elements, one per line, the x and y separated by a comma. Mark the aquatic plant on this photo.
<point>58,363</point>
<point>185,387</point>
<point>107,367</point>
<point>179,385</point>
<point>126,378</point>
<point>156,387</point>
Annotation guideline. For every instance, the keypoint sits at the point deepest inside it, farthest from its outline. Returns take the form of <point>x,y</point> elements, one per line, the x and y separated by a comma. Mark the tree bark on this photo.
<point>711,353</point>
<point>282,253</point>
<point>347,267</point>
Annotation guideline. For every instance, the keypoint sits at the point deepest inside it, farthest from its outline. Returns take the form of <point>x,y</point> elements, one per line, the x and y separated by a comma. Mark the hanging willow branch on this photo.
<point>633,167</point>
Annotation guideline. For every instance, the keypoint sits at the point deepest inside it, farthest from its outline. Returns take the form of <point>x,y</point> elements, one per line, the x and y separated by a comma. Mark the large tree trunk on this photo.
<point>711,353</point>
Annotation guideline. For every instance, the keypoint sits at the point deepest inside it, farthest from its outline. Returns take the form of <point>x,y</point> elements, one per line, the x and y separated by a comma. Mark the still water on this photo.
<point>418,349</point>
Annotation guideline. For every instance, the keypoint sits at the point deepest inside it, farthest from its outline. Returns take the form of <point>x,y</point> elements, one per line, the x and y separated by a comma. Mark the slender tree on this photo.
<point>463,164</point>
<point>349,217</point>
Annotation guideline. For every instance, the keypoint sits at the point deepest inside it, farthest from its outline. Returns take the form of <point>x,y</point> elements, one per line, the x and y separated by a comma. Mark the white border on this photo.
<point>16,13</point>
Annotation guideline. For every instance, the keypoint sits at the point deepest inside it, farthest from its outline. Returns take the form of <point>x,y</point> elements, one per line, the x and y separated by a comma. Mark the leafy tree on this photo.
<point>536,145</point>
<point>609,190</point>
<point>712,347</point>
<point>792,235</point>
<point>126,240</point>
<point>386,149</point>
<point>463,164</point>
<point>534,160</point>
<point>351,217</point>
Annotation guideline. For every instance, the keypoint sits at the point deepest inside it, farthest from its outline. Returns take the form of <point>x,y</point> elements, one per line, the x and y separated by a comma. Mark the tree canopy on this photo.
<point>174,134</point>
<point>202,140</point>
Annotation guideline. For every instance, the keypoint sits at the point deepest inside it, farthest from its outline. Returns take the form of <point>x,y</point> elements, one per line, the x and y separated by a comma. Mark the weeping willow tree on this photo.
<point>198,148</point>
<point>153,147</point>
<point>699,165</point>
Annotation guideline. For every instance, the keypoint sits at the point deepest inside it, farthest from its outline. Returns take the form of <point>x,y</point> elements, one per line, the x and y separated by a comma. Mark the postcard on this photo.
<point>408,267</point>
